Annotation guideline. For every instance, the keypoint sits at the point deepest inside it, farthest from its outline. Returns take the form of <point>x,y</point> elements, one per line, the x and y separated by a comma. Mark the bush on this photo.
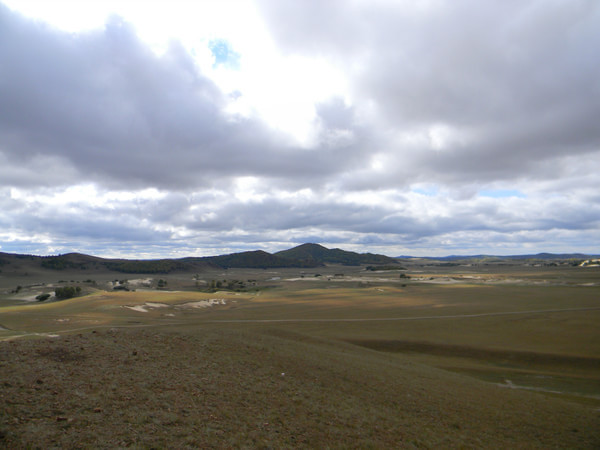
<point>67,292</point>
<point>42,297</point>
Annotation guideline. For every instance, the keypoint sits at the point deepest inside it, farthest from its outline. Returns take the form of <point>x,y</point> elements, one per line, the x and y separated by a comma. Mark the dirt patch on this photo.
<point>61,354</point>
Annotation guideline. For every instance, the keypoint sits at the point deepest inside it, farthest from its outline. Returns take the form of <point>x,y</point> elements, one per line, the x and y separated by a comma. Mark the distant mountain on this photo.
<point>553,256</point>
<point>537,256</point>
<point>257,259</point>
<point>302,256</point>
<point>28,264</point>
<point>318,254</point>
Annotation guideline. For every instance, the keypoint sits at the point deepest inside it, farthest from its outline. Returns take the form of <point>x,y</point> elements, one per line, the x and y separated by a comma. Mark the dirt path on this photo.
<point>371,319</point>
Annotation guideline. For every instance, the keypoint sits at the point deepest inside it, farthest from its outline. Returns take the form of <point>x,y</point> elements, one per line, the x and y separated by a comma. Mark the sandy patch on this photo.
<point>203,303</point>
<point>145,306</point>
<point>156,305</point>
<point>138,308</point>
<point>145,282</point>
<point>29,298</point>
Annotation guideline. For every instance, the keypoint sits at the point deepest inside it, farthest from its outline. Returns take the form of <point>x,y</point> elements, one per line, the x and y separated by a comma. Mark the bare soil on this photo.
<point>260,388</point>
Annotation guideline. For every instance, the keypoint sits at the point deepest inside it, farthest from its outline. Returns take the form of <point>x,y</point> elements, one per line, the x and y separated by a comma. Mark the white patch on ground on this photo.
<point>438,280</point>
<point>203,303</point>
<point>505,281</point>
<point>510,385</point>
<point>145,306</point>
<point>145,282</point>
<point>156,305</point>
<point>138,308</point>
<point>199,304</point>
<point>63,320</point>
<point>46,335</point>
<point>29,298</point>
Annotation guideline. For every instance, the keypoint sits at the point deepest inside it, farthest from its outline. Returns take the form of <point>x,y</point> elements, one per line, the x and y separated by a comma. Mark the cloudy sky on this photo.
<point>401,127</point>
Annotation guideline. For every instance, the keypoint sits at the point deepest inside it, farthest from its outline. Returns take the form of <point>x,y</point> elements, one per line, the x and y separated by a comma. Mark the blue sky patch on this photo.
<point>224,54</point>
<point>429,191</point>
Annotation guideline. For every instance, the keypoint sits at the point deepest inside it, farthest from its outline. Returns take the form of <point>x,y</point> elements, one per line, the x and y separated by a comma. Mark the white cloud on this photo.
<point>406,127</point>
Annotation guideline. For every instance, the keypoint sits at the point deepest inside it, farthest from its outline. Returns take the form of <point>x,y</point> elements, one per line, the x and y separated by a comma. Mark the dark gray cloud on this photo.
<point>106,107</point>
<point>518,81</point>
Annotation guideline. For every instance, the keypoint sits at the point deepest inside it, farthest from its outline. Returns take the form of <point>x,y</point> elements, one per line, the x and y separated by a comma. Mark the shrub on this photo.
<point>67,292</point>
<point>42,297</point>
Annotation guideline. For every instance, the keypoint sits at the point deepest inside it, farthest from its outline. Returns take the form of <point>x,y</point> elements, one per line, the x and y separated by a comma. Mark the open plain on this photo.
<point>428,355</point>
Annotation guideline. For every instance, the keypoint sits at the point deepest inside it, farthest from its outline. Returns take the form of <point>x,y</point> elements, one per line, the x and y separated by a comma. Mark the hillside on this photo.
<point>320,254</point>
<point>303,256</point>
<point>228,388</point>
<point>257,259</point>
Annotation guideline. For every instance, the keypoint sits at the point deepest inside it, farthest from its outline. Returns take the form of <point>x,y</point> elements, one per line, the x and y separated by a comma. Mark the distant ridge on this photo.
<point>538,256</point>
<point>257,259</point>
<point>303,256</point>
<point>322,255</point>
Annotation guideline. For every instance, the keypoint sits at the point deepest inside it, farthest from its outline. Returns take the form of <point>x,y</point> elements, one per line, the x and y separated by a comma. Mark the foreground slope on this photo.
<point>262,387</point>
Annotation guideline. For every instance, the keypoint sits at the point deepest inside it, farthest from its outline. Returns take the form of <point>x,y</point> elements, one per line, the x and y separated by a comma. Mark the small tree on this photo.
<point>63,293</point>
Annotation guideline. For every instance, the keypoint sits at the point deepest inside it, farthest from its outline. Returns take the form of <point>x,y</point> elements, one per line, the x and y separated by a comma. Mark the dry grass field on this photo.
<point>473,356</point>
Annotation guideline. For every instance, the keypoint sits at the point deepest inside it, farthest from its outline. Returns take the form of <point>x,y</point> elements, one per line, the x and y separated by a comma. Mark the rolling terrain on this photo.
<point>417,354</point>
<point>303,256</point>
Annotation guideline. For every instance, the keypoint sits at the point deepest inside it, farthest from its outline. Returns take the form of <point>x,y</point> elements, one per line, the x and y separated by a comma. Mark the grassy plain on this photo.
<point>469,356</point>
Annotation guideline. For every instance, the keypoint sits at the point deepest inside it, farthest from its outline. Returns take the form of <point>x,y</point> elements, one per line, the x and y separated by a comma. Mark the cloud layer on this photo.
<point>463,129</point>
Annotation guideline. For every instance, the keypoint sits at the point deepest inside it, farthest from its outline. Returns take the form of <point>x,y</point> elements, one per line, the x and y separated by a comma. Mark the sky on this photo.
<point>407,127</point>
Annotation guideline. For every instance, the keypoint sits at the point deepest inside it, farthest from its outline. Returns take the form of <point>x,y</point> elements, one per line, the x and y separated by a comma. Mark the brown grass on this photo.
<point>367,365</point>
<point>217,388</point>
